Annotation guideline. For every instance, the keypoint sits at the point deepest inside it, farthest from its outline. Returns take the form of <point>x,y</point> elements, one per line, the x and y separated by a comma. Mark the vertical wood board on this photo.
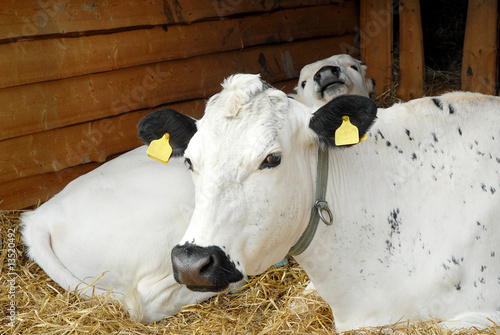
<point>411,51</point>
<point>480,59</point>
<point>376,24</point>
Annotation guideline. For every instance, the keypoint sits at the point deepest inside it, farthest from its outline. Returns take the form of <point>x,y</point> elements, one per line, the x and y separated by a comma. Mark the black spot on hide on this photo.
<point>408,134</point>
<point>438,103</point>
<point>394,221</point>
<point>451,109</point>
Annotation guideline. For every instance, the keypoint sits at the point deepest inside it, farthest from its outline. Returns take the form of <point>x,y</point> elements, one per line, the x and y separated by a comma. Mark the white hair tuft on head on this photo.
<point>241,88</point>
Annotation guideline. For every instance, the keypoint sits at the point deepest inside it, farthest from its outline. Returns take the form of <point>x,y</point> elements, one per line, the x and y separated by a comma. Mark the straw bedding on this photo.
<point>271,303</point>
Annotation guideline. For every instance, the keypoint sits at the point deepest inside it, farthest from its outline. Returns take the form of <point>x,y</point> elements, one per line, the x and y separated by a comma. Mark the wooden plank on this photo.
<point>25,192</point>
<point>44,17</point>
<point>94,141</point>
<point>411,51</point>
<point>194,10</point>
<point>47,17</point>
<point>479,63</point>
<point>27,62</point>
<point>299,23</point>
<point>44,106</point>
<point>376,23</point>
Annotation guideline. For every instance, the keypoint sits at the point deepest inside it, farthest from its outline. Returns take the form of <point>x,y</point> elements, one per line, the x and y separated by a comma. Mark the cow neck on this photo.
<point>320,206</point>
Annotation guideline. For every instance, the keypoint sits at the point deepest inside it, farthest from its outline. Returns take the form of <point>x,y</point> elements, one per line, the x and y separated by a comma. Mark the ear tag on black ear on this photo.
<point>160,149</point>
<point>347,133</point>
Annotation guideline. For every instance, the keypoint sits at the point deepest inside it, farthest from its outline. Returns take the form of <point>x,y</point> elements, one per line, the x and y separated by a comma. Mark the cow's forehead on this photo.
<point>337,60</point>
<point>247,114</point>
<point>239,109</point>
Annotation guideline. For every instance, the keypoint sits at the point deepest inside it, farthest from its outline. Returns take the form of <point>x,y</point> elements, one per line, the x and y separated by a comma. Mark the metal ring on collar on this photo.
<point>322,205</point>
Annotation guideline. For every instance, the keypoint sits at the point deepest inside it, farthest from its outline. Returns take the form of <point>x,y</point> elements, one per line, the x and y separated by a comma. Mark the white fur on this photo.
<point>355,81</point>
<point>416,230</point>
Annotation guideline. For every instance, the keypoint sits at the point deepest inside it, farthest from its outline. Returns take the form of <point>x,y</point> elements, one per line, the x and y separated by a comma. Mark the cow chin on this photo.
<point>214,288</point>
<point>334,90</point>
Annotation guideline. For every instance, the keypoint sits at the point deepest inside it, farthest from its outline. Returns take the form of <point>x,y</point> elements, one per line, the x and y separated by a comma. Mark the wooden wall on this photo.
<point>77,76</point>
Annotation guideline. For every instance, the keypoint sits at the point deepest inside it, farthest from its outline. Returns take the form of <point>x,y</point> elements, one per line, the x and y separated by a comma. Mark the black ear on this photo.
<point>325,121</point>
<point>180,127</point>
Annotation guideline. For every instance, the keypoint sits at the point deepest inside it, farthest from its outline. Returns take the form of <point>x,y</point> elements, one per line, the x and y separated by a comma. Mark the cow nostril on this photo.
<point>317,76</point>
<point>208,265</point>
<point>327,73</point>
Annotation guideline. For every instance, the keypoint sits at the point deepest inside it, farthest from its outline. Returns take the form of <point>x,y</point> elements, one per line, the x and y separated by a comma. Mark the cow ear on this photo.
<point>325,122</point>
<point>180,127</point>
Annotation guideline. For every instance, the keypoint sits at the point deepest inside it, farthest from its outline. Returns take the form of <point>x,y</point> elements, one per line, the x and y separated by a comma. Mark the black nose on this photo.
<point>327,75</point>
<point>205,269</point>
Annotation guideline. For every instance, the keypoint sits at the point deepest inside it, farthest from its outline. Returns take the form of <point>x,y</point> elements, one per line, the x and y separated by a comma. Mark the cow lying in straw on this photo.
<point>121,221</point>
<point>403,225</point>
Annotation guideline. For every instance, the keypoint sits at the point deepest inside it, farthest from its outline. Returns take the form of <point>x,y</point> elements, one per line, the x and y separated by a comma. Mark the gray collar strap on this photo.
<point>320,206</point>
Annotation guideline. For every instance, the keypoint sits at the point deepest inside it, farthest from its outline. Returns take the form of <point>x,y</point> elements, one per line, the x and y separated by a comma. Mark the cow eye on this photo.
<point>354,67</point>
<point>272,160</point>
<point>187,161</point>
<point>303,84</point>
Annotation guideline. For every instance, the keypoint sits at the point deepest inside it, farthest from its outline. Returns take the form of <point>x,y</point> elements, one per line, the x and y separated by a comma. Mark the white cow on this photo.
<point>321,81</point>
<point>415,231</point>
<point>120,220</point>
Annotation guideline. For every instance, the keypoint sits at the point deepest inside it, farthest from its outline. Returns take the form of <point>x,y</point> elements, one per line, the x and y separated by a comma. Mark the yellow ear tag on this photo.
<point>160,150</point>
<point>347,133</point>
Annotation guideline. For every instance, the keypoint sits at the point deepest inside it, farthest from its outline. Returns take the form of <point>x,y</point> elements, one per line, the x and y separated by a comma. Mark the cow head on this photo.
<point>321,81</point>
<point>253,162</point>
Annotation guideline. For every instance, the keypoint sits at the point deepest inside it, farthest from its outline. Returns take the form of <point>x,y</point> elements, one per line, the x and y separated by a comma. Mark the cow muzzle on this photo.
<point>203,269</point>
<point>329,83</point>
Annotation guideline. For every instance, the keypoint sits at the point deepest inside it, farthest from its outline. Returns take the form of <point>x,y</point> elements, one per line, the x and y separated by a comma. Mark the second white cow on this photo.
<point>321,81</point>
<point>118,222</point>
